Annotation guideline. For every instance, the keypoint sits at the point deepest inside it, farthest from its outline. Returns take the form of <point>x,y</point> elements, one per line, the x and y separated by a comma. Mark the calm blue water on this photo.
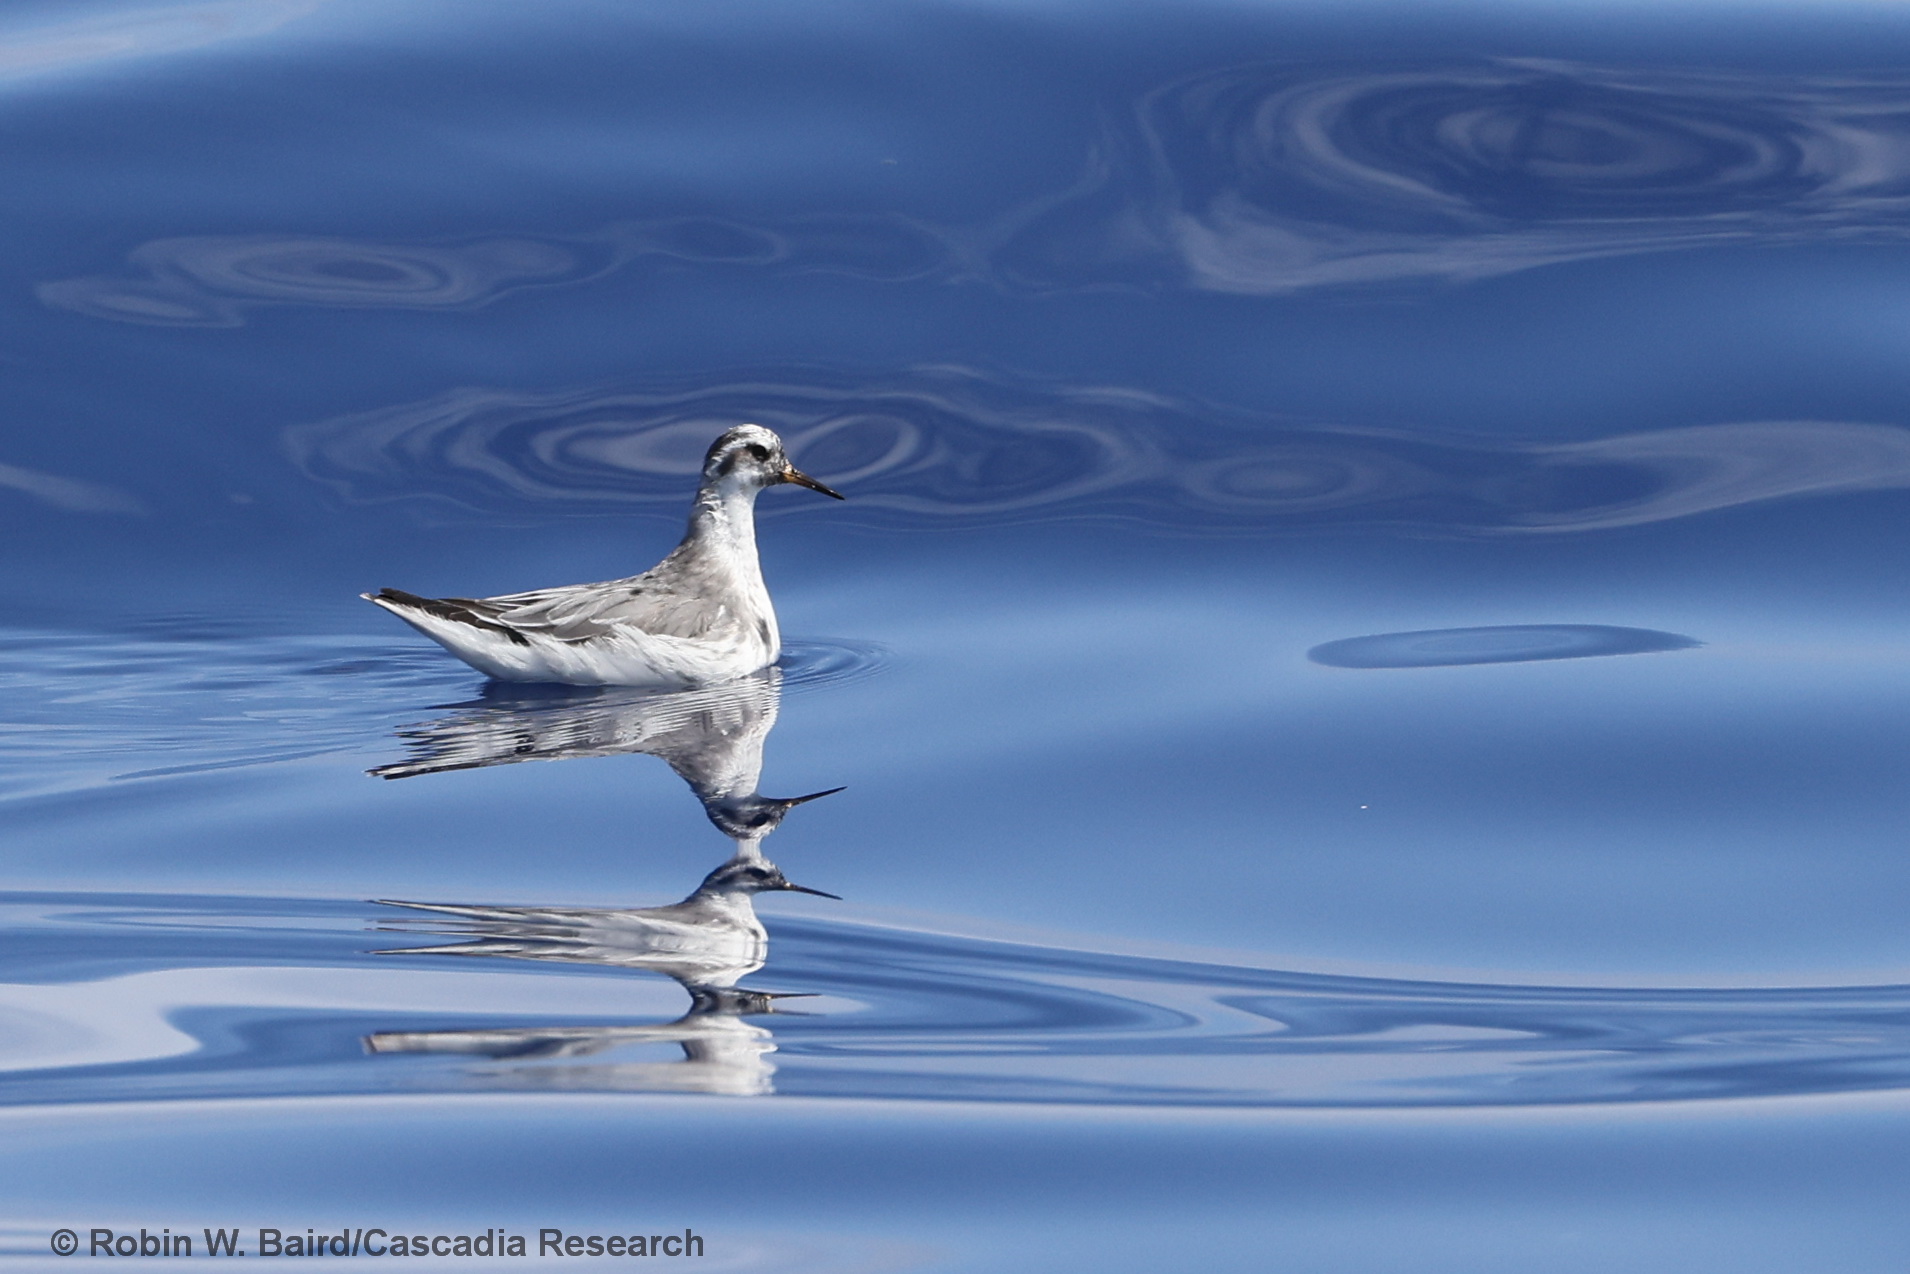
<point>1366,649</point>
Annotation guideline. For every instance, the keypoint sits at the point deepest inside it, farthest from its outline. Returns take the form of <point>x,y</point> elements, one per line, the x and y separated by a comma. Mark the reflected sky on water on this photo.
<point>1360,684</point>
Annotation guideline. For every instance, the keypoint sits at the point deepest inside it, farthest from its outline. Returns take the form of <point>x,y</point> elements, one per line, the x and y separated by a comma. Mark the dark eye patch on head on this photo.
<point>734,457</point>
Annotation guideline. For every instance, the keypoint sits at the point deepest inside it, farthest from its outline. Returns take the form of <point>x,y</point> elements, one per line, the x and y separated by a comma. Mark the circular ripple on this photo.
<point>1304,477</point>
<point>353,273</point>
<point>807,665</point>
<point>162,304</point>
<point>209,281</point>
<point>1275,177</point>
<point>1525,143</point>
<point>939,444</point>
<point>1487,146</point>
<point>1518,643</point>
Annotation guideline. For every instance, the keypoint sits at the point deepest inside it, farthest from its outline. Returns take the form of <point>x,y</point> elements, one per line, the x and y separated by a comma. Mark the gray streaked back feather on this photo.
<point>664,600</point>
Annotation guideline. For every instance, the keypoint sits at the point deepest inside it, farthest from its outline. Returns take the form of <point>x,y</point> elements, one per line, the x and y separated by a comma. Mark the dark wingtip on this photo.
<point>455,609</point>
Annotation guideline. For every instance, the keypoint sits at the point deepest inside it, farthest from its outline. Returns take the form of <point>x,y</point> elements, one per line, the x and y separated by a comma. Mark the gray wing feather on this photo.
<point>579,612</point>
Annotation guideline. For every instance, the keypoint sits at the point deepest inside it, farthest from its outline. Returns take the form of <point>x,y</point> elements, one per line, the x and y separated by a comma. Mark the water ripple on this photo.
<point>813,664</point>
<point>1260,179</point>
<point>132,998</point>
<point>940,444</point>
<point>188,694</point>
<point>211,281</point>
<point>71,494</point>
<point>1506,644</point>
<point>141,33</point>
<point>1277,177</point>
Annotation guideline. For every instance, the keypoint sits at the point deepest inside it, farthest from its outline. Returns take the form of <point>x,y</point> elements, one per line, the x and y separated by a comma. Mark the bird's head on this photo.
<point>755,816</point>
<point>753,457</point>
<point>753,876</point>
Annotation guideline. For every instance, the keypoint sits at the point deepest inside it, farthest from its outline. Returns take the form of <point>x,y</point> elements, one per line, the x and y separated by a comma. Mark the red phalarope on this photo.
<point>700,615</point>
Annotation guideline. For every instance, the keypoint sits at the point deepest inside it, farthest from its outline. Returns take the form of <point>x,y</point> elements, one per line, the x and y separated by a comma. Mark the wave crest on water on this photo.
<point>941,444</point>
<point>174,1009</point>
<point>1274,177</point>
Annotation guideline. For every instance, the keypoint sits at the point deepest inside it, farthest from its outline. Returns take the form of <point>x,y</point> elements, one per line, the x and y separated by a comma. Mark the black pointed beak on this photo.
<point>794,801</point>
<point>801,479</point>
<point>804,889</point>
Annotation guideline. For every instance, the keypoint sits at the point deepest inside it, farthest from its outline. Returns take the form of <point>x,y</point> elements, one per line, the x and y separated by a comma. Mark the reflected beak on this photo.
<point>773,996</point>
<point>794,801</point>
<point>804,889</point>
<point>801,479</point>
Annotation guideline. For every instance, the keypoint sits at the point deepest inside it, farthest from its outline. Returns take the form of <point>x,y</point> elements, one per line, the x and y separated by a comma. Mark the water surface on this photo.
<point>1264,429</point>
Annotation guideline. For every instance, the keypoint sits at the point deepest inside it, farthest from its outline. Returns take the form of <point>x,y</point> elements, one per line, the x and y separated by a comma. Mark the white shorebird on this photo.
<point>700,615</point>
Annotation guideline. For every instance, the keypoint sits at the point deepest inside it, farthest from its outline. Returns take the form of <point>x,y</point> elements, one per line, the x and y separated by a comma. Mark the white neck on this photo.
<point>721,543</point>
<point>723,521</point>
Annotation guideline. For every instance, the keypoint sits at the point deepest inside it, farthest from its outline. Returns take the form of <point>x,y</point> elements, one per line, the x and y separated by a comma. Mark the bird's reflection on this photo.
<point>713,738</point>
<point>707,943</point>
